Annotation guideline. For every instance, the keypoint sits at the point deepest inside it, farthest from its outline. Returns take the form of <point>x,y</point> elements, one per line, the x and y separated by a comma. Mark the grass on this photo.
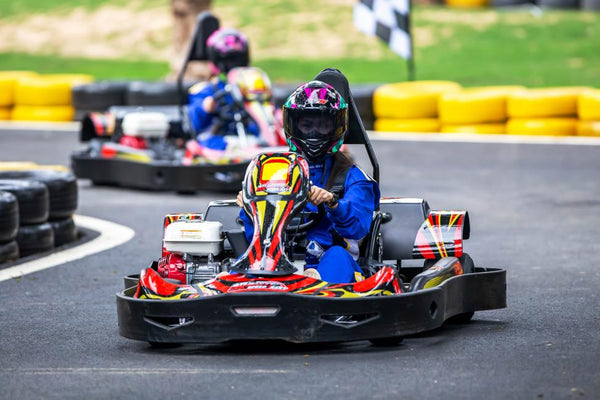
<point>21,8</point>
<point>101,69</point>
<point>472,47</point>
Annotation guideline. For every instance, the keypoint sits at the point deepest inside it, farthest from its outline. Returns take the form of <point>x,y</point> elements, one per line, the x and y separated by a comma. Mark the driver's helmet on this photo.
<point>315,120</point>
<point>227,48</point>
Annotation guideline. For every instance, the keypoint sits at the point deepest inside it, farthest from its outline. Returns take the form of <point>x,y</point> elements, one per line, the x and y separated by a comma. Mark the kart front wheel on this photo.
<point>461,318</point>
<point>387,342</point>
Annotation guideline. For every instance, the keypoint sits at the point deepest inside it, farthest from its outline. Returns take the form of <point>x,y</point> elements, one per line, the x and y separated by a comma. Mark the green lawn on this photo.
<point>472,47</point>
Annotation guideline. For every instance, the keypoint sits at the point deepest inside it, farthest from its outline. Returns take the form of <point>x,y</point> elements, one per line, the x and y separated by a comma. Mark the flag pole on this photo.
<point>410,62</point>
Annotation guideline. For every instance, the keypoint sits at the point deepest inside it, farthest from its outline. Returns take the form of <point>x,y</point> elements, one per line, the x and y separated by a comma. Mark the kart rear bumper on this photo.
<point>159,175</point>
<point>302,319</point>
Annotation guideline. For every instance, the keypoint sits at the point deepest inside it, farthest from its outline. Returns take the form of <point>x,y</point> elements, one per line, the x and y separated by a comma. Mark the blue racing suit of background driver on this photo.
<point>202,122</point>
<point>332,245</point>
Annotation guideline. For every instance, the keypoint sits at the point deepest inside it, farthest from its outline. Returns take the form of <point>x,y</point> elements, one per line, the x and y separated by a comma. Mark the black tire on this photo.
<point>363,99</point>
<point>467,263</point>
<point>282,92</point>
<point>33,199</point>
<point>9,251</point>
<point>64,231</point>
<point>151,94</point>
<point>35,239</point>
<point>387,342</point>
<point>62,189</point>
<point>99,96</point>
<point>9,217</point>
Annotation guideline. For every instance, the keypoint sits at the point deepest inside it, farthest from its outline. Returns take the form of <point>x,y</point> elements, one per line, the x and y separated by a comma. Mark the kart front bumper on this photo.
<point>302,319</point>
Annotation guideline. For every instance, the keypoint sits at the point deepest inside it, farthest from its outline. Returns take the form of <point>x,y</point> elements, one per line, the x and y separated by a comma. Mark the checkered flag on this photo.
<point>388,20</point>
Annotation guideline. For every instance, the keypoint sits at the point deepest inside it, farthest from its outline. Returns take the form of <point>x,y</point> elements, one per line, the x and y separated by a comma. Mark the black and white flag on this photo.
<point>389,20</point>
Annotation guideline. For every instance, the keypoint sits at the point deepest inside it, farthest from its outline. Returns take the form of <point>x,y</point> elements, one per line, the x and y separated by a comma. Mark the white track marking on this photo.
<point>111,235</point>
<point>137,371</point>
<point>484,138</point>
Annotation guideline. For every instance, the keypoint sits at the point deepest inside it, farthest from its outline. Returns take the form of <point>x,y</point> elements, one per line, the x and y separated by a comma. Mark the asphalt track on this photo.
<point>535,210</point>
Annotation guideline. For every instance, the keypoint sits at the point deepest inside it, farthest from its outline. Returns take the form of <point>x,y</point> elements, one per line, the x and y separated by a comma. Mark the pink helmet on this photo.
<point>228,48</point>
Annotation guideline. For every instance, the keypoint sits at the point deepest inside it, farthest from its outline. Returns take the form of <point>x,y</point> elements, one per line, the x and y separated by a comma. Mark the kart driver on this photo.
<point>315,119</point>
<point>227,48</point>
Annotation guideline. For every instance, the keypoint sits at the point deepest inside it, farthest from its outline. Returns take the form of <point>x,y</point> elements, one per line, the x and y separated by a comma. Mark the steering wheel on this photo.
<point>312,220</point>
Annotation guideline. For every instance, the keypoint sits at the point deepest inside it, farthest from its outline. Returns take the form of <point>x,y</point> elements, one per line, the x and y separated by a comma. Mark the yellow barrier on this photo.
<point>43,113</point>
<point>475,128</point>
<point>412,100</point>
<point>588,128</point>
<point>542,126</point>
<point>407,125</point>
<point>588,105</point>
<point>546,102</point>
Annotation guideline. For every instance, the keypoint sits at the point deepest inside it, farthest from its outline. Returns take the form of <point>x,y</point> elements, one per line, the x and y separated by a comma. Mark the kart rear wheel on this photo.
<point>387,342</point>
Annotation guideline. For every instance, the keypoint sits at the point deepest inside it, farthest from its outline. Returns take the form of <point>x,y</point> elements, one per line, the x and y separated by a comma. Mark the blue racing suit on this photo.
<point>202,122</point>
<point>332,245</point>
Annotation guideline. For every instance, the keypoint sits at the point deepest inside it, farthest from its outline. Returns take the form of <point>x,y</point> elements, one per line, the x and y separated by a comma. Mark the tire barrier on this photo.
<point>9,251</point>
<point>563,4</point>
<point>5,113</point>
<point>407,125</point>
<point>588,105</point>
<point>99,96</point>
<point>466,3</point>
<point>35,238</point>
<point>152,94</point>
<point>498,128</point>
<point>7,89</point>
<point>64,231</point>
<point>410,99</point>
<point>475,105</point>
<point>9,217</point>
<point>41,97</point>
<point>36,208</point>
<point>33,198</point>
<point>542,126</point>
<point>62,189</point>
<point>43,113</point>
<point>542,103</point>
<point>588,128</point>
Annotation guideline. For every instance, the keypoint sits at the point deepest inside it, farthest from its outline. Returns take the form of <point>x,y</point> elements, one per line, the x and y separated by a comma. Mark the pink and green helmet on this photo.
<point>315,120</point>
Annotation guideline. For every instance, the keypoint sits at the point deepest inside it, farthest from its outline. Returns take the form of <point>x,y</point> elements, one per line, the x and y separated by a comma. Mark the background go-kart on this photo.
<point>534,211</point>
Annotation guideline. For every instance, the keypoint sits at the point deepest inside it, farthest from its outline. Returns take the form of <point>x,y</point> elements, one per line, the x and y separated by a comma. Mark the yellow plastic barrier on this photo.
<point>18,74</point>
<point>5,113</point>
<point>7,90</point>
<point>48,90</point>
<point>588,105</point>
<point>475,128</point>
<point>410,99</point>
<point>475,105</point>
<point>43,113</point>
<point>588,128</point>
<point>547,102</point>
<point>467,3</point>
<point>407,125</point>
<point>541,126</point>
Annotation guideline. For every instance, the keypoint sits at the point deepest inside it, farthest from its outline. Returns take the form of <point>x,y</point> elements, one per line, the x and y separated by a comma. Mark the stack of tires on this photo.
<point>410,106</point>
<point>475,110</point>
<point>36,211</point>
<point>46,97</point>
<point>547,111</point>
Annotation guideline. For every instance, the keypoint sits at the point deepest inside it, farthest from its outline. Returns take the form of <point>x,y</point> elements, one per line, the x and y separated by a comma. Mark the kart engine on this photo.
<point>191,250</point>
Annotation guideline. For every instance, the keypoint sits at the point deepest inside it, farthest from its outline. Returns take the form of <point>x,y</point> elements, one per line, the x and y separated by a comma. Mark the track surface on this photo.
<point>535,210</point>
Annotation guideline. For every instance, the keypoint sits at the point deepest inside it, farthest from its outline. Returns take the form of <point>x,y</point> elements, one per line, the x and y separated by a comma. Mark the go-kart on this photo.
<point>212,286</point>
<point>153,147</point>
